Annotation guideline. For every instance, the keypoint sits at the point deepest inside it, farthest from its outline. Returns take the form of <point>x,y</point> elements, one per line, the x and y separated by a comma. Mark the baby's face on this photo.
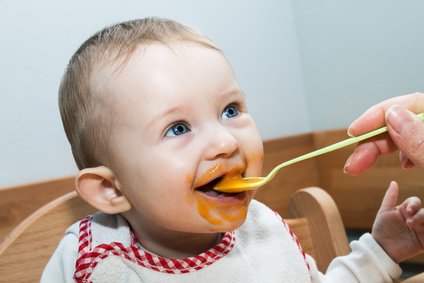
<point>179,123</point>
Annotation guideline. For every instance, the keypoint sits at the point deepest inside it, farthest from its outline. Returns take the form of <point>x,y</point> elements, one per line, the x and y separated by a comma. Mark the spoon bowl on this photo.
<point>236,183</point>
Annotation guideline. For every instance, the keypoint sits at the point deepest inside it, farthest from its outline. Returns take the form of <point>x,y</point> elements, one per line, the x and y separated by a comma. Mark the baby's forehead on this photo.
<point>144,61</point>
<point>111,68</point>
<point>116,58</point>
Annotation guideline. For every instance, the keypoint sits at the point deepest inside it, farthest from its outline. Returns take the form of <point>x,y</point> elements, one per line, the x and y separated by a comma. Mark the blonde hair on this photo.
<point>84,119</point>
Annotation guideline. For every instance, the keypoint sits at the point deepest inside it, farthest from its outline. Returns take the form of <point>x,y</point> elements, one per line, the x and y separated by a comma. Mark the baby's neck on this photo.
<point>171,244</point>
<point>182,246</point>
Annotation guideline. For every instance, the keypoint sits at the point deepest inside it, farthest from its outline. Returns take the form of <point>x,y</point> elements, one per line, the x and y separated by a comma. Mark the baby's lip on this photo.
<point>216,174</point>
<point>209,185</point>
<point>208,178</point>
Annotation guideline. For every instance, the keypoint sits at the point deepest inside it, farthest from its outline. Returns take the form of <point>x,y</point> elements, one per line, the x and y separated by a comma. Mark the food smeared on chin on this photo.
<point>230,217</point>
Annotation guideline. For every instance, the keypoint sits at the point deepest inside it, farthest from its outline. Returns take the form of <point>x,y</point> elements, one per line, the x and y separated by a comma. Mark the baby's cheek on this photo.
<point>189,178</point>
<point>255,164</point>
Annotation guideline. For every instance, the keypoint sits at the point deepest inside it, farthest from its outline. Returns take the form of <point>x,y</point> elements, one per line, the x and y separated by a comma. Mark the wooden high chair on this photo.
<point>312,215</point>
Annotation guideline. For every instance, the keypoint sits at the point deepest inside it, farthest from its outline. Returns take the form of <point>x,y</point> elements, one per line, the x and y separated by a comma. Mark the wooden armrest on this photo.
<point>27,249</point>
<point>317,210</point>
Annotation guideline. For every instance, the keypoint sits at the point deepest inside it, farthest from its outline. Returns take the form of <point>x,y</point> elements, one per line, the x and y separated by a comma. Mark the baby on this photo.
<point>156,118</point>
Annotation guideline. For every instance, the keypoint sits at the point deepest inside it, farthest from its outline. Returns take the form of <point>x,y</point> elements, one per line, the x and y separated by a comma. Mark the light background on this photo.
<point>305,65</point>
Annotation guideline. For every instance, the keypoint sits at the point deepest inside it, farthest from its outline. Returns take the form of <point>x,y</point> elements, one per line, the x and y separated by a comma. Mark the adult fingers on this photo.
<point>367,152</point>
<point>374,117</point>
<point>407,132</point>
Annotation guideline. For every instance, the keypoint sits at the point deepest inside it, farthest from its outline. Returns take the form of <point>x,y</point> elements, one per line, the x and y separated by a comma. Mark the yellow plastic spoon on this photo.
<point>235,183</point>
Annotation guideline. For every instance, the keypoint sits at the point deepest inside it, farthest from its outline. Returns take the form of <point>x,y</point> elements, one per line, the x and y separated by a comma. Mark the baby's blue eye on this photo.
<point>230,111</point>
<point>177,130</point>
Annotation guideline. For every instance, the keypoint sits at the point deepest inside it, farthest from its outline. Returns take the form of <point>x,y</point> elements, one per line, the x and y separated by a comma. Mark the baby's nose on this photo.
<point>221,144</point>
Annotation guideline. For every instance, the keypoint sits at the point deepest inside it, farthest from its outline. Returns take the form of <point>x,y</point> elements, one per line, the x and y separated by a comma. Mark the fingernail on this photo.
<point>347,164</point>
<point>407,164</point>
<point>398,119</point>
<point>349,129</point>
<point>403,159</point>
<point>404,162</point>
<point>349,133</point>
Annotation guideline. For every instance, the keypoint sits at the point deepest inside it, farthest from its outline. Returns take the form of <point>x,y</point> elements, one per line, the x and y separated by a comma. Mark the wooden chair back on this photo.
<point>26,250</point>
<point>313,216</point>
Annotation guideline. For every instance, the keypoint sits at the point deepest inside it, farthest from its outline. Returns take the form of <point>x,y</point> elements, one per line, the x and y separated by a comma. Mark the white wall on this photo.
<point>305,65</point>
<point>37,39</point>
<point>357,53</point>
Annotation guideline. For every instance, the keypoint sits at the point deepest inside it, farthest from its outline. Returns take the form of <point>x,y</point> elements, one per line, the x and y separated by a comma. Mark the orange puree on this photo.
<point>235,183</point>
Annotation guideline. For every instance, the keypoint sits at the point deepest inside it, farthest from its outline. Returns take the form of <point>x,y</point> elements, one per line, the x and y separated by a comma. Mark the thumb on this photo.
<point>407,132</point>
<point>390,198</point>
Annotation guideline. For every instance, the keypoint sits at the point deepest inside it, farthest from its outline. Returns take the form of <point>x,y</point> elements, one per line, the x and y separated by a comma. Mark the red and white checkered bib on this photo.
<point>261,250</point>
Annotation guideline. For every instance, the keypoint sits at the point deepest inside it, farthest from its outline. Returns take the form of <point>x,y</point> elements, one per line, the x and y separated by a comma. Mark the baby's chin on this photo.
<point>229,227</point>
<point>227,224</point>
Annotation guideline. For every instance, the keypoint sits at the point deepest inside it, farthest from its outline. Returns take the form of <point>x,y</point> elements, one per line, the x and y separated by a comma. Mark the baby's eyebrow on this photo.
<point>157,117</point>
<point>234,93</point>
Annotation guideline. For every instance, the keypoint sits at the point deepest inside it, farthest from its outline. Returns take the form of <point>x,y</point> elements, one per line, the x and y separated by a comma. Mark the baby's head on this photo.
<point>85,121</point>
<point>155,118</point>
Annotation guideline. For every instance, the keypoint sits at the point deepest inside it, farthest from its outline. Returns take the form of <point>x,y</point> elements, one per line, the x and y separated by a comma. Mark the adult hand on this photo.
<point>405,133</point>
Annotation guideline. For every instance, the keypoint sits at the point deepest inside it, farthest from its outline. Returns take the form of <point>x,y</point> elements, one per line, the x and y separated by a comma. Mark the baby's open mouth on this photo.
<point>208,189</point>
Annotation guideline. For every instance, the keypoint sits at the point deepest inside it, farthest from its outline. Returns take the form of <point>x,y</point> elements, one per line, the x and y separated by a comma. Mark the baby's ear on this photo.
<point>99,187</point>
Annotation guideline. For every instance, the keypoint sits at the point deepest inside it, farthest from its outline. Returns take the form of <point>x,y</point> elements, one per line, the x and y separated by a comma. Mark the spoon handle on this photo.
<point>332,147</point>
